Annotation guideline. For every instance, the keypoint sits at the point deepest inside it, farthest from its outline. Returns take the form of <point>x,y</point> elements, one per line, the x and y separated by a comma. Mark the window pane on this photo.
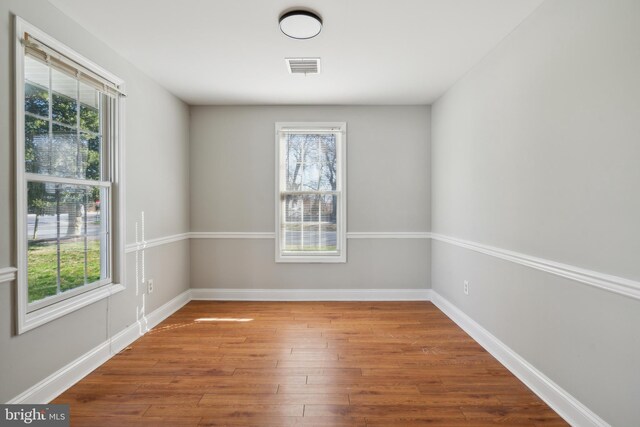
<point>329,162</point>
<point>71,263</point>
<point>310,208</point>
<point>35,130</point>
<point>89,119</point>
<point>63,153</point>
<point>94,145</point>
<point>42,273</point>
<point>318,177</point>
<point>293,208</point>
<point>66,238</point>
<point>311,162</point>
<point>63,150</point>
<point>294,163</point>
<point>36,100</point>
<point>311,238</point>
<point>64,110</point>
<point>310,223</point>
<point>89,96</point>
<point>311,152</point>
<point>65,95</point>
<point>94,257</point>
<point>328,223</point>
<point>36,72</point>
<point>292,237</point>
<point>42,255</point>
<point>90,101</point>
<point>311,177</point>
<point>64,84</point>
<point>96,234</point>
<point>329,209</point>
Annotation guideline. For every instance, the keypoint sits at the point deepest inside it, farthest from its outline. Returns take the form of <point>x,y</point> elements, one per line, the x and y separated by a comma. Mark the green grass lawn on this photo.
<point>42,265</point>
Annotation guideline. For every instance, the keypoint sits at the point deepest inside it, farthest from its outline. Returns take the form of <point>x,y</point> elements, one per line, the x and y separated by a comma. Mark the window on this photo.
<point>311,196</point>
<point>67,179</point>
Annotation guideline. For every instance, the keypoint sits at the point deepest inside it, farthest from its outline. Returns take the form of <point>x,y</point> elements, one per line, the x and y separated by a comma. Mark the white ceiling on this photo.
<point>232,51</point>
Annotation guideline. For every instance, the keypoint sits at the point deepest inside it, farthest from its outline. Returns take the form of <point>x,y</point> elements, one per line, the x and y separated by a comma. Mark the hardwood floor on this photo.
<point>305,363</point>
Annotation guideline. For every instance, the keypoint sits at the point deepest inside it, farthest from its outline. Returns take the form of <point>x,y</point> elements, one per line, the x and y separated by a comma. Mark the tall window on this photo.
<point>66,167</point>
<point>310,206</point>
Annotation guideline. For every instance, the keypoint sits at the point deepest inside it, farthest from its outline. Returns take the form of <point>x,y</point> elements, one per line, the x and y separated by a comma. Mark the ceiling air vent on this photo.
<point>303,65</point>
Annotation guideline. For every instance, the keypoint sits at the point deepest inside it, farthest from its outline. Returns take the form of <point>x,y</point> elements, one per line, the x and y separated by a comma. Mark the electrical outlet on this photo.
<point>466,287</point>
<point>150,286</point>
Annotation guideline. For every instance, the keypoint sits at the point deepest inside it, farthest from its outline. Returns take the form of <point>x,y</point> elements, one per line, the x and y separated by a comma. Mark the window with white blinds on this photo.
<point>67,178</point>
<point>311,183</point>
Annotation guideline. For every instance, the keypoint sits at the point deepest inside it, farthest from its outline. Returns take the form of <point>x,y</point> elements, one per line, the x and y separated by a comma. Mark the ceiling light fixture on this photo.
<point>300,24</point>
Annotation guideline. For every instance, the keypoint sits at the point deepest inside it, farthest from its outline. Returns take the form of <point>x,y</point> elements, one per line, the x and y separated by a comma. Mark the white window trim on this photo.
<point>30,320</point>
<point>342,208</point>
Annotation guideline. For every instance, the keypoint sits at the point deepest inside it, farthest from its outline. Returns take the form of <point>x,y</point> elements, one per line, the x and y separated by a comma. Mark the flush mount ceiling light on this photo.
<point>300,24</point>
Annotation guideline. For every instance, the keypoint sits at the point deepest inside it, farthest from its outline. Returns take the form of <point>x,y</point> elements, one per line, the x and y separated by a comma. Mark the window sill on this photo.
<point>47,314</point>
<point>310,259</point>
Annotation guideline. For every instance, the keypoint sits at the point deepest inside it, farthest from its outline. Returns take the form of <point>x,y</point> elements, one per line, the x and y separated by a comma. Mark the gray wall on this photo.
<point>536,150</point>
<point>157,182</point>
<point>232,190</point>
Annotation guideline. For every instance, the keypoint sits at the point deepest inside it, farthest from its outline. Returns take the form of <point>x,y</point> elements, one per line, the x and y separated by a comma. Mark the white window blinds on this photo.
<point>39,50</point>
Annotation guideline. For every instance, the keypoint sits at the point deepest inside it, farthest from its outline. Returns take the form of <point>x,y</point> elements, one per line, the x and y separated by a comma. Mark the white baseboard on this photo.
<point>118,343</point>
<point>311,294</point>
<point>272,235</point>
<point>55,384</point>
<point>567,406</point>
<point>52,386</point>
<point>159,314</point>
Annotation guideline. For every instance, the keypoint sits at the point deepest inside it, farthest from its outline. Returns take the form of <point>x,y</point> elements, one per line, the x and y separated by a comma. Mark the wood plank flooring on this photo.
<point>305,364</point>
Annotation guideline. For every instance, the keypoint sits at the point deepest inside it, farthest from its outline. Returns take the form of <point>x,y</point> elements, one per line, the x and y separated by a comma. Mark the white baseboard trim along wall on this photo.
<point>55,384</point>
<point>156,317</point>
<point>311,294</point>
<point>350,235</point>
<point>567,406</point>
